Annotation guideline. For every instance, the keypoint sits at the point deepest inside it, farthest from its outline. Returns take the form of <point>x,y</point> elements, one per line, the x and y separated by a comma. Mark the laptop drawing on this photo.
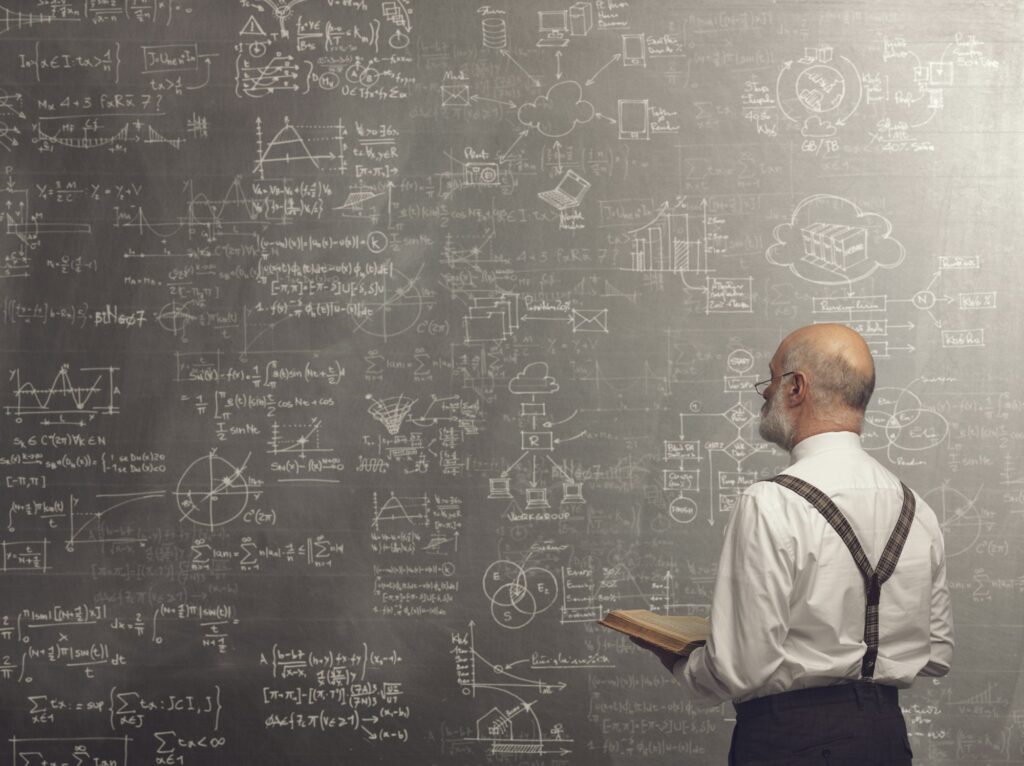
<point>569,192</point>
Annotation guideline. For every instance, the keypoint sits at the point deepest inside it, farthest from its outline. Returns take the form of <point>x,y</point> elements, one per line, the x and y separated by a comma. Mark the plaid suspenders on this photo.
<point>873,578</point>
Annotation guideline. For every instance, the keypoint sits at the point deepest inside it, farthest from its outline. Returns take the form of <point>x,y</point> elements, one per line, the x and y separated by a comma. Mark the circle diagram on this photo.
<point>958,517</point>
<point>212,492</point>
<point>898,420</point>
<point>820,88</point>
<point>392,305</point>
<point>518,594</point>
<point>682,509</point>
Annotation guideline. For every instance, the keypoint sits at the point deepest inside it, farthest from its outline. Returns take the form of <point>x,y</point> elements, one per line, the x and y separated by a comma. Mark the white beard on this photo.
<point>776,426</point>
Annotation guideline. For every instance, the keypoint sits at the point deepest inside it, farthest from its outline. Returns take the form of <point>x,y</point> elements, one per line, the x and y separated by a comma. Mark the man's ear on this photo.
<point>797,389</point>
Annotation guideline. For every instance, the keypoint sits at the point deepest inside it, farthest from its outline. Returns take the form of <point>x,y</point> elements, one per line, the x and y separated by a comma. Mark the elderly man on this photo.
<point>831,588</point>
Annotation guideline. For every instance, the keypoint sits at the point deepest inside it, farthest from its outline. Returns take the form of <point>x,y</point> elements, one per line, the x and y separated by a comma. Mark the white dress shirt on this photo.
<point>788,605</point>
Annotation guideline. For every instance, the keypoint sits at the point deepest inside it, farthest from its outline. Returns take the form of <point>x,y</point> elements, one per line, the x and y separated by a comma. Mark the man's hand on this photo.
<point>667,658</point>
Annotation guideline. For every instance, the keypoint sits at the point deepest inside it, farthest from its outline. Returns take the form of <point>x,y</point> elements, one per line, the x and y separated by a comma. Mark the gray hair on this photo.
<point>833,381</point>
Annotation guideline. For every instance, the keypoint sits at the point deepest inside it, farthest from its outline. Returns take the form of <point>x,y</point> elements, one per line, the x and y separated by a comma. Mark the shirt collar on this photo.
<point>824,442</point>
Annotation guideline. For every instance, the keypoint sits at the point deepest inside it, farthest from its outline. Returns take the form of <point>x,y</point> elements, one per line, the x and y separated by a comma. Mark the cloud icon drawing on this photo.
<point>830,241</point>
<point>534,379</point>
<point>559,111</point>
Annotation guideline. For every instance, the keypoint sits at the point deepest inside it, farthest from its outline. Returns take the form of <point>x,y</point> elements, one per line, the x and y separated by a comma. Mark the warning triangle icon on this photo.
<point>252,28</point>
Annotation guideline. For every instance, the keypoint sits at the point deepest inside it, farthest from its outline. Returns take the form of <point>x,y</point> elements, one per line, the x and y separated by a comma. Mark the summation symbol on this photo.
<point>213,492</point>
<point>72,403</point>
<point>111,751</point>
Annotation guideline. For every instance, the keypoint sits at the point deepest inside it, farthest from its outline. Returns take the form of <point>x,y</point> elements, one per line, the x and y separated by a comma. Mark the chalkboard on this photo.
<point>358,355</point>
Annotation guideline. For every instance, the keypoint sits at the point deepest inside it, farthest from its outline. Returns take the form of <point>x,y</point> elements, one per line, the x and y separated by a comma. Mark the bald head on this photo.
<point>837,362</point>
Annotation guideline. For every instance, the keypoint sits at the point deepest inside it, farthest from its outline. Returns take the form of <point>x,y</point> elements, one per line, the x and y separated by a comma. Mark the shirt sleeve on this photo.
<point>940,656</point>
<point>749,608</point>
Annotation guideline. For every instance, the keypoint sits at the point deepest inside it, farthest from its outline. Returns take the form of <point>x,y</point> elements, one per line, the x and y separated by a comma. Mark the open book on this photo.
<point>680,635</point>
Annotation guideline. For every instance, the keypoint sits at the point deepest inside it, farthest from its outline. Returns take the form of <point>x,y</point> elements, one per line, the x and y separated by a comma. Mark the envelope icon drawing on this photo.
<point>590,320</point>
<point>454,95</point>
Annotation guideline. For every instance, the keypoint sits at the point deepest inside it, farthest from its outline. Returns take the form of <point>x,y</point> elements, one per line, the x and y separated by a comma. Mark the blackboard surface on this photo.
<point>358,355</point>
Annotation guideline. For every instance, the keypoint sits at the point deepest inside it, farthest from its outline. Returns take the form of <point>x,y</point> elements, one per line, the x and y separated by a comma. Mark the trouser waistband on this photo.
<point>857,692</point>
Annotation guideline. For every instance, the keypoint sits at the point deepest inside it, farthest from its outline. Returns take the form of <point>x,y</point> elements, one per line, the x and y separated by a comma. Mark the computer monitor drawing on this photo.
<point>554,25</point>
<point>569,192</point>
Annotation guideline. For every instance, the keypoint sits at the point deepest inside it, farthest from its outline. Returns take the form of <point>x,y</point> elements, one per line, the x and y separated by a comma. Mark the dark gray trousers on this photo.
<point>852,724</point>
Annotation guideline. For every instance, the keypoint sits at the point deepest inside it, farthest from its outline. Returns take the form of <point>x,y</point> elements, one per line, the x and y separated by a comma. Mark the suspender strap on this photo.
<point>873,578</point>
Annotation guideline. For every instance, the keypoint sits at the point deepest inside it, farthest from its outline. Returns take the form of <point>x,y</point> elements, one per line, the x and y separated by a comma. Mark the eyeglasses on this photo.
<point>761,385</point>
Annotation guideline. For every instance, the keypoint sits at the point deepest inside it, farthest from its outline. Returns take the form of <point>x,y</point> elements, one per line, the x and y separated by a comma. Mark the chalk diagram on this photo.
<point>829,240</point>
<point>91,131</point>
<point>564,102</point>
<point>518,593</point>
<point>682,239</point>
<point>293,147</point>
<point>514,728</point>
<point>282,10</point>
<point>69,399</point>
<point>495,314</point>
<point>175,317</point>
<point>820,92</point>
<point>233,214</point>
<point>391,411</point>
<point>264,67</point>
<point>372,205</point>
<point>27,228</point>
<point>898,422</point>
<point>394,515</point>
<point>960,519</point>
<point>558,112</point>
<point>283,440</point>
<point>725,486</point>
<point>10,105</point>
<point>412,511</point>
<point>80,522</point>
<point>213,492</point>
<point>616,585</point>
<point>870,314</point>
<point>257,79</point>
<point>535,381</point>
<point>918,87</point>
<point>393,304</point>
<point>14,20</point>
